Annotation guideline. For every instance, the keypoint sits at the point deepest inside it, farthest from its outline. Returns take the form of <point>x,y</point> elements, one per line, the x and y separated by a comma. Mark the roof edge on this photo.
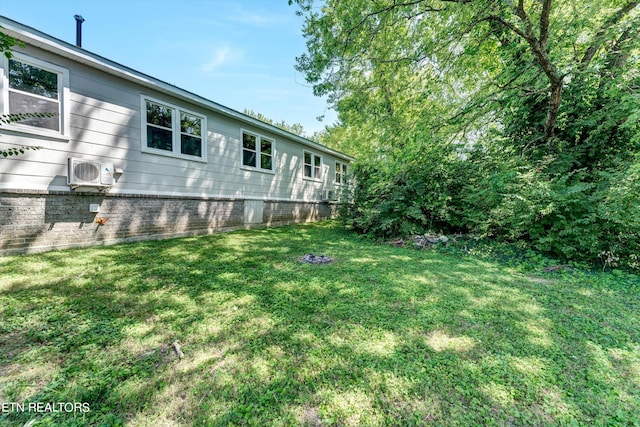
<point>52,44</point>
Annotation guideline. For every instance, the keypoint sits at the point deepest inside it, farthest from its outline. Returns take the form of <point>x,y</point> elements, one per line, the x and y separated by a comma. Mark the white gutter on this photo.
<point>51,44</point>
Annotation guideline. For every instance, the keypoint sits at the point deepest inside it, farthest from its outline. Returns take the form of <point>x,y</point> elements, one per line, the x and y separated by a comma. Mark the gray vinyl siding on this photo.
<point>105,123</point>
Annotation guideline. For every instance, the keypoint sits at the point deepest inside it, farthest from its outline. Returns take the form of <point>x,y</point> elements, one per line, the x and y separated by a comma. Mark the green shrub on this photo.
<point>578,215</point>
<point>413,192</point>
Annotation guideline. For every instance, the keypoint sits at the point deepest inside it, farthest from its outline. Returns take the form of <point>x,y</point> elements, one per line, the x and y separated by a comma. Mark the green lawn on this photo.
<point>383,336</point>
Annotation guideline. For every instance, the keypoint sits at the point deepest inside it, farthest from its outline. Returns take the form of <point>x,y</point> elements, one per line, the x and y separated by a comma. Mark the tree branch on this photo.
<point>390,8</point>
<point>539,49</point>
<point>599,38</point>
<point>544,23</point>
<point>618,54</point>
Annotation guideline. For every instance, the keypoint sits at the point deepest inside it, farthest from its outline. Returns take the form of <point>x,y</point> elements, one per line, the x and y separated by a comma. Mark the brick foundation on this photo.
<point>280,213</point>
<point>57,220</point>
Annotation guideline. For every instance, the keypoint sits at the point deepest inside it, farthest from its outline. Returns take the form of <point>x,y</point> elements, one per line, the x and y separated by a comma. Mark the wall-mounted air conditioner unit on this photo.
<point>328,196</point>
<point>89,173</point>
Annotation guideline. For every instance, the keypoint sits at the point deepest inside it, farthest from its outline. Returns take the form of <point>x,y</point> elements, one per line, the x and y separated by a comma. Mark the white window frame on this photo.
<point>175,129</point>
<point>63,98</point>
<point>258,167</point>
<point>344,172</point>
<point>313,177</point>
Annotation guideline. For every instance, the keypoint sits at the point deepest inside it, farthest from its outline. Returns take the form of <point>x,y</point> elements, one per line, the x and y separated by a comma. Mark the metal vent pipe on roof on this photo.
<point>79,21</point>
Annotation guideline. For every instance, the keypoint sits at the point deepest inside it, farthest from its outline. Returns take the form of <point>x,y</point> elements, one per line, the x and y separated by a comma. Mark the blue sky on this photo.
<point>238,53</point>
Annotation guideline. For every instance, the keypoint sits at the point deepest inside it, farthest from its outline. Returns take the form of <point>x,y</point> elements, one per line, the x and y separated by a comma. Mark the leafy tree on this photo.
<point>6,43</point>
<point>461,46</point>
<point>521,114</point>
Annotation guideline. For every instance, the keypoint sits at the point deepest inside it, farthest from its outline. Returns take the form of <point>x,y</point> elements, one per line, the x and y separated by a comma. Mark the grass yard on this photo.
<point>383,336</point>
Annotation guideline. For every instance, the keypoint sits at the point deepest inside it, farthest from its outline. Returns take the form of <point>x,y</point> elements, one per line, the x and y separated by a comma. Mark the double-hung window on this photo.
<point>35,90</point>
<point>257,151</point>
<point>173,131</point>
<point>312,166</point>
<point>341,173</point>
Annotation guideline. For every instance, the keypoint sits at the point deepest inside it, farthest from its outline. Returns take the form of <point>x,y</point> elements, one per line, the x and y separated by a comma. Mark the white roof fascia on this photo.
<point>46,42</point>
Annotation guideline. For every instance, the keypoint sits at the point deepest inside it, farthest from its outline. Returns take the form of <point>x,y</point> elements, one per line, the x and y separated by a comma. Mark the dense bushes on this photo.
<point>514,120</point>
<point>405,195</point>
<point>577,215</point>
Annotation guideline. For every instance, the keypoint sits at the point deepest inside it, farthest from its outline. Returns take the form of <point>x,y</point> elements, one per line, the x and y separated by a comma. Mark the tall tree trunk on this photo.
<point>538,45</point>
<point>554,107</point>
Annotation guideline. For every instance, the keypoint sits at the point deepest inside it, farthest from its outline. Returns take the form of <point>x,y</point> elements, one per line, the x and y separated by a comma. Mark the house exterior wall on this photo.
<point>59,220</point>
<point>282,213</point>
<point>41,221</point>
<point>156,195</point>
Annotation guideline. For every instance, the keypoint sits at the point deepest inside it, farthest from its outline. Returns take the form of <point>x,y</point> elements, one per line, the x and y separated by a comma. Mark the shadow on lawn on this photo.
<point>381,336</point>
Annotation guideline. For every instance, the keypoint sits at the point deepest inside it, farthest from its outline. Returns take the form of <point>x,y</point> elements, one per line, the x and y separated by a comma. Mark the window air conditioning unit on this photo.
<point>89,173</point>
<point>328,196</point>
